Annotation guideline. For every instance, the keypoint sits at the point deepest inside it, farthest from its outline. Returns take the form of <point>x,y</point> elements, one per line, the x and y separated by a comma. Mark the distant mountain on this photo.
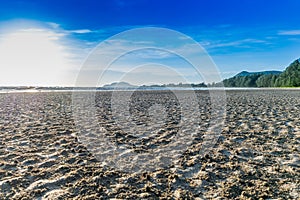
<point>119,85</point>
<point>124,85</point>
<point>246,73</point>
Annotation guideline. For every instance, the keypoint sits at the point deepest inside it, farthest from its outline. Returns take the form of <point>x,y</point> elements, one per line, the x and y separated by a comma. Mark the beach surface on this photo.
<point>256,155</point>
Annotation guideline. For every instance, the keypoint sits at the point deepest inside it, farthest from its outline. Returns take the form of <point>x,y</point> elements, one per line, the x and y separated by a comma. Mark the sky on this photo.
<point>47,42</point>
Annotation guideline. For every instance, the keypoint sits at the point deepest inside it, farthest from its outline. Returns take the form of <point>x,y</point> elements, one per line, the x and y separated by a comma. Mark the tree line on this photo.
<point>290,77</point>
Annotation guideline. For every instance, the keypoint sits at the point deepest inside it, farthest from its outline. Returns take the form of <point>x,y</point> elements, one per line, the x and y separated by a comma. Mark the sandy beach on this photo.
<point>255,157</point>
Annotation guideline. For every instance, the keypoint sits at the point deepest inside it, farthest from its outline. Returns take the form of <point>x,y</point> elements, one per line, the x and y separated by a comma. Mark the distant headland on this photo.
<point>290,77</point>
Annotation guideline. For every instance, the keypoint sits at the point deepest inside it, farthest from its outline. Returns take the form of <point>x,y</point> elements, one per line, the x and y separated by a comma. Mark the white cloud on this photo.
<point>80,31</point>
<point>53,25</point>
<point>58,27</point>
<point>152,54</point>
<point>289,32</point>
<point>236,43</point>
<point>33,56</point>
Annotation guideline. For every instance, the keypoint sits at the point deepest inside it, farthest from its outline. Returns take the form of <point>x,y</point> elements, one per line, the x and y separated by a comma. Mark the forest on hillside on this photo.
<point>290,77</point>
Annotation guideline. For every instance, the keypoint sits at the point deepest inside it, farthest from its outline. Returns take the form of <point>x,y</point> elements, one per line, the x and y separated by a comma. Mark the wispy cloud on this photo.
<point>80,31</point>
<point>53,25</point>
<point>224,26</point>
<point>289,32</point>
<point>234,43</point>
<point>59,28</point>
<point>153,54</point>
<point>79,41</point>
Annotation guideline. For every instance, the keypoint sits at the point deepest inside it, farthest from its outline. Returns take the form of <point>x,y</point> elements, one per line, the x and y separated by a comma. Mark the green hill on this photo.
<point>290,77</point>
<point>245,73</point>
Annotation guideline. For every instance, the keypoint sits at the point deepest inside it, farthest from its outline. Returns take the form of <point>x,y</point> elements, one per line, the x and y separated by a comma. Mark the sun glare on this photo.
<point>32,57</point>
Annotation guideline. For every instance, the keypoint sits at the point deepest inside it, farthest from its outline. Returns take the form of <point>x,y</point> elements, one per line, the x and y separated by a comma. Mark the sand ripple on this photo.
<point>256,156</point>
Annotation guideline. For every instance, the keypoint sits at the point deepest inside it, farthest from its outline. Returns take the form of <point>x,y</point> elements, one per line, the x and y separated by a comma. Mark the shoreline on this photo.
<point>150,89</point>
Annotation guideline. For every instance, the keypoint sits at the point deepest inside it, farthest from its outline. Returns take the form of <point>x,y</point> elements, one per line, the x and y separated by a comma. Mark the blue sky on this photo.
<point>239,35</point>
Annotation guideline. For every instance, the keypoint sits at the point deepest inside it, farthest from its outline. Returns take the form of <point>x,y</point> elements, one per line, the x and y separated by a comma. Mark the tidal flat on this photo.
<point>256,155</point>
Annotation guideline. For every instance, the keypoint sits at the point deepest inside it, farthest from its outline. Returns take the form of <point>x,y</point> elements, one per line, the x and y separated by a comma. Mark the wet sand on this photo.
<point>256,155</point>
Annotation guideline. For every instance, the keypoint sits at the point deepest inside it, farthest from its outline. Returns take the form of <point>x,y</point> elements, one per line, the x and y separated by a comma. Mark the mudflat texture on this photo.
<point>256,155</point>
